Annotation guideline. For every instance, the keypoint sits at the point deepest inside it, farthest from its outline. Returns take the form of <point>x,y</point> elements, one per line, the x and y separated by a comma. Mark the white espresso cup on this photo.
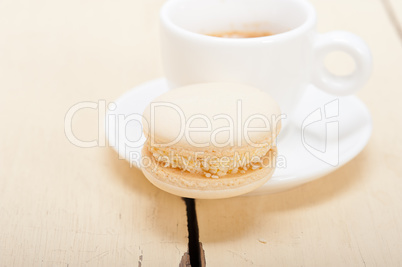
<point>282,64</point>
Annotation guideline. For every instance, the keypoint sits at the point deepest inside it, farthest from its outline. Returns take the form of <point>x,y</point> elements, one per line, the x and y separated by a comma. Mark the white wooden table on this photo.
<point>62,205</point>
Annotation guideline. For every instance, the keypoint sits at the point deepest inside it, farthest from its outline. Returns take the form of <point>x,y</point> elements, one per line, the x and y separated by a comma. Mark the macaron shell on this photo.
<point>190,185</point>
<point>214,114</point>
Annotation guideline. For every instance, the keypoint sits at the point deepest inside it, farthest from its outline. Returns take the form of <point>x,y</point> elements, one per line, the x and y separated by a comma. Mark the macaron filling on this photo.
<point>212,164</point>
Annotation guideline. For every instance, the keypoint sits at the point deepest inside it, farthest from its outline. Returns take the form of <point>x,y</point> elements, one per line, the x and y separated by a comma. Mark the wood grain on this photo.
<point>394,9</point>
<point>62,205</point>
<point>351,217</point>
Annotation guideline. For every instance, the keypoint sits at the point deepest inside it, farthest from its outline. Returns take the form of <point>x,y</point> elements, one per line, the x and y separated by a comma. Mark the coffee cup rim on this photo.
<point>305,26</point>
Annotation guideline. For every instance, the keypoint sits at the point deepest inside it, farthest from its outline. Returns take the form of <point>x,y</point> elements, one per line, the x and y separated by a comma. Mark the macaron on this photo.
<point>210,140</point>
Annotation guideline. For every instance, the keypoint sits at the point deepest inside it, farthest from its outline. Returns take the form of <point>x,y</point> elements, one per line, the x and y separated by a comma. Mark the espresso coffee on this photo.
<point>240,34</point>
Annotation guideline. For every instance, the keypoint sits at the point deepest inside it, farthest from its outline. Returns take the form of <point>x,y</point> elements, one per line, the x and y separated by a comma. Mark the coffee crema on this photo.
<point>240,34</point>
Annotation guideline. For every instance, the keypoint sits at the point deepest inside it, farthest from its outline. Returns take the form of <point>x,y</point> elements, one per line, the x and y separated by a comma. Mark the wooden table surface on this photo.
<point>62,205</point>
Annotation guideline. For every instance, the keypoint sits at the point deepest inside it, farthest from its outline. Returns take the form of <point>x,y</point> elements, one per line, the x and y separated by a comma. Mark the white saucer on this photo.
<point>300,161</point>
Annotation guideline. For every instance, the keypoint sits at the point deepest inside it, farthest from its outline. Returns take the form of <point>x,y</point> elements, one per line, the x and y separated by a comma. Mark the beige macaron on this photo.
<point>210,140</point>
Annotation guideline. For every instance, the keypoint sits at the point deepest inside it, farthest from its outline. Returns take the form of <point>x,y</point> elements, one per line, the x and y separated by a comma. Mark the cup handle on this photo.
<point>350,44</point>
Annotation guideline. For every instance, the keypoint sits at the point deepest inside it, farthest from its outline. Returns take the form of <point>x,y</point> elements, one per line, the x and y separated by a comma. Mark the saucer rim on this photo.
<point>275,184</point>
